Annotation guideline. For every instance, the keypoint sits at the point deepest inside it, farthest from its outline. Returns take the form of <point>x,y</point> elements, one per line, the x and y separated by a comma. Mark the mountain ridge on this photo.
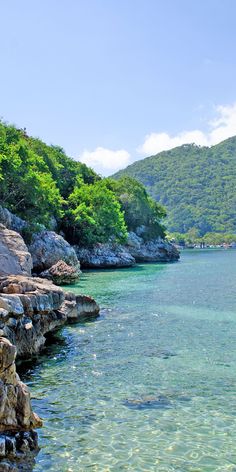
<point>197,184</point>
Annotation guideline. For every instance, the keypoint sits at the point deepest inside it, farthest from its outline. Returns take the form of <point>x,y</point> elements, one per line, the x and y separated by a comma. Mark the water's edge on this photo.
<point>151,384</point>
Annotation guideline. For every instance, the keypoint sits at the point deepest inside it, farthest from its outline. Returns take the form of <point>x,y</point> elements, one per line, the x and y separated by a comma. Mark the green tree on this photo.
<point>94,215</point>
<point>139,208</point>
<point>196,184</point>
<point>27,188</point>
<point>193,236</point>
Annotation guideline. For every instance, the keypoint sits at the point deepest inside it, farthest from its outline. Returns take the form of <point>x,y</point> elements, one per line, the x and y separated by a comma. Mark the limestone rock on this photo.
<point>15,407</point>
<point>11,221</point>
<point>31,305</point>
<point>62,273</point>
<point>18,451</point>
<point>14,255</point>
<point>18,441</point>
<point>134,241</point>
<point>47,248</point>
<point>156,250</point>
<point>78,307</point>
<point>30,308</point>
<point>105,256</point>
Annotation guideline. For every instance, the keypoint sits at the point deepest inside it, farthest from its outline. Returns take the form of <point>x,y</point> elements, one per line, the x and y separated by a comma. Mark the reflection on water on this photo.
<point>151,385</point>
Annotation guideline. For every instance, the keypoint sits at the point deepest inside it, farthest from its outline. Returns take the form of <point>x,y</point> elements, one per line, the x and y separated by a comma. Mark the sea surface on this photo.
<point>151,384</point>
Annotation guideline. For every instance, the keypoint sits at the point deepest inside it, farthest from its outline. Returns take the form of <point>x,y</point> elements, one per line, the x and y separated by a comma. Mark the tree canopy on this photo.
<point>41,184</point>
<point>196,184</point>
<point>139,208</point>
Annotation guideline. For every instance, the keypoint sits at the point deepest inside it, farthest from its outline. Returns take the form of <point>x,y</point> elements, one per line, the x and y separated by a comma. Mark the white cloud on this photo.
<point>105,161</point>
<point>223,127</point>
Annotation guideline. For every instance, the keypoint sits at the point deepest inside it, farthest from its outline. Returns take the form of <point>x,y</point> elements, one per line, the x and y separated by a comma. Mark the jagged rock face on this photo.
<point>105,256</point>
<point>47,248</point>
<point>32,307</point>
<point>29,311</point>
<point>15,407</point>
<point>78,307</point>
<point>14,255</point>
<point>29,308</point>
<point>136,250</point>
<point>11,221</point>
<point>18,441</point>
<point>18,451</point>
<point>62,274</point>
<point>151,251</point>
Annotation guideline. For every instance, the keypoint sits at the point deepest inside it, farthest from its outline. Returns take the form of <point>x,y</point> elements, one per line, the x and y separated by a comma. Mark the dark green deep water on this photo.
<point>150,385</point>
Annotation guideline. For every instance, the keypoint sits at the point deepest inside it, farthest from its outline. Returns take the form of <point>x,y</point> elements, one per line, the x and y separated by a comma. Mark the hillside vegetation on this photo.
<point>196,184</point>
<point>45,187</point>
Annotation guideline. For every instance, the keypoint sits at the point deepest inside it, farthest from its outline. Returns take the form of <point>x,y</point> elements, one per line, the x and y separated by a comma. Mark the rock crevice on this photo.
<point>18,441</point>
<point>14,255</point>
<point>32,307</point>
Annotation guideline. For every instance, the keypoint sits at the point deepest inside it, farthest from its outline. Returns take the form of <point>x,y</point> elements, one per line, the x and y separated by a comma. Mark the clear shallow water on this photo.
<point>150,385</point>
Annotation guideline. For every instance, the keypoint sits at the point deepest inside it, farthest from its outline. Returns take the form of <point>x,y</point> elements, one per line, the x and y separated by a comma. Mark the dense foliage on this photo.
<point>192,237</point>
<point>94,214</point>
<point>139,208</point>
<point>45,187</point>
<point>196,184</point>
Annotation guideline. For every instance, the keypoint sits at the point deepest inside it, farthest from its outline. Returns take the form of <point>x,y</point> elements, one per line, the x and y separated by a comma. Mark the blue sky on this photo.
<point>114,81</point>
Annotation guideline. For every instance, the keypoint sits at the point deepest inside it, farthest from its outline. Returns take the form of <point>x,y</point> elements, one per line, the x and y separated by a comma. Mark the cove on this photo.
<point>151,384</point>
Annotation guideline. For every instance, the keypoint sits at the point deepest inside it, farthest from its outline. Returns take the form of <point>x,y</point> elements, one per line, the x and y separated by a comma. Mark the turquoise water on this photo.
<point>151,384</point>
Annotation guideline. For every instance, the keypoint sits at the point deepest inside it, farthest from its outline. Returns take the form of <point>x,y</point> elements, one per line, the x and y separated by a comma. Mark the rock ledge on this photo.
<point>32,307</point>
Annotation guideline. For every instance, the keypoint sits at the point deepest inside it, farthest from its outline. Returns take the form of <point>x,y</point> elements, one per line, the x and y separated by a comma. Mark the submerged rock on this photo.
<point>48,248</point>
<point>102,256</point>
<point>62,273</point>
<point>156,250</point>
<point>14,255</point>
<point>149,402</point>
<point>160,401</point>
<point>32,307</point>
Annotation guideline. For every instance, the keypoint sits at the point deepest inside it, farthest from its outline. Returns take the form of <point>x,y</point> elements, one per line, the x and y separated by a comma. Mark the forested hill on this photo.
<point>196,184</point>
<point>41,184</point>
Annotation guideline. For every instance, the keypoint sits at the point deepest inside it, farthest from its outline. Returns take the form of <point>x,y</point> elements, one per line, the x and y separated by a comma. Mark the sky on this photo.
<point>115,81</point>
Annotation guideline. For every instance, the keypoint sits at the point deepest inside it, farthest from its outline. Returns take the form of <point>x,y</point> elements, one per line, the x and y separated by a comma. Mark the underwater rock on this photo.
<point>160,401</point>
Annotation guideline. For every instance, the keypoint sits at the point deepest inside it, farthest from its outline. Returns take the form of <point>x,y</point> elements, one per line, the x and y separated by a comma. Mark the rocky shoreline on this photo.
<point>52,257</point>
<point>18,440</point>
<point>30,309</point>
<point>32,306</point>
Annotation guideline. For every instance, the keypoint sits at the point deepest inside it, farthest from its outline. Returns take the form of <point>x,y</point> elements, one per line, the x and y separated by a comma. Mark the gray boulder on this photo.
<point>48,248</point>
<point>156,250</point>
<point>14,255</point>
<point>62,274</point>
<point>11,221</point>
<point>32,307</point>
<point>106,256</point>
<point>18,441</point>
<point>16,412</point>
